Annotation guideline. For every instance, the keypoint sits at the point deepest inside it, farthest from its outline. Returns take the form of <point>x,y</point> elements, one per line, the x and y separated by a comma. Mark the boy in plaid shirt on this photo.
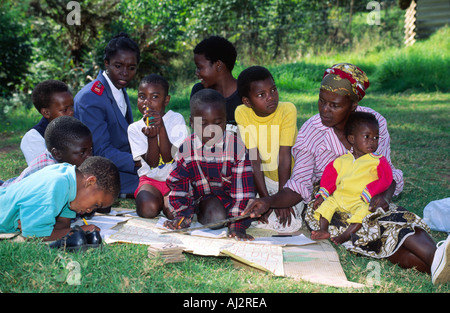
<point>213,177</point>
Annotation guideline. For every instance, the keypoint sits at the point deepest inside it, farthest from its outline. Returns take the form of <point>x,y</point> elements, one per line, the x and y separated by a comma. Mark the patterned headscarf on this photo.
<point>346,79</point>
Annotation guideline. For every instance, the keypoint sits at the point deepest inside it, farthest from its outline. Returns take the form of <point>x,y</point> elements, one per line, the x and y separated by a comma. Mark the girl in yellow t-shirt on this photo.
<point>268,128</point>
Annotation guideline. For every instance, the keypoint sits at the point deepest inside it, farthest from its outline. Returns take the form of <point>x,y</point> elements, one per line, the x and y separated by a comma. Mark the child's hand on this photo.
<point>151,131</point>
<point>178,223</point>
<point>153,121</point>
<point>154,118</point>
<point>318,202</point>
<point>237,233</point>
<point>90,227</point>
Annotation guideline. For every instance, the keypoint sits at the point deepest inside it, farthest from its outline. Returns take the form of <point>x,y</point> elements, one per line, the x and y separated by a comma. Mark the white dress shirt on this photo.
<point>117,94</point>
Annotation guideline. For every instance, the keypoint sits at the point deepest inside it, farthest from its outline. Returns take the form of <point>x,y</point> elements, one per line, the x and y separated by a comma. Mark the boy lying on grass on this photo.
<point>43,204</point>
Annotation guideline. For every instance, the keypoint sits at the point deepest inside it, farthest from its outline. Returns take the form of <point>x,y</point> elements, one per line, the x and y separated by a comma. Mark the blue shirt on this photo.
<point>38,200</point>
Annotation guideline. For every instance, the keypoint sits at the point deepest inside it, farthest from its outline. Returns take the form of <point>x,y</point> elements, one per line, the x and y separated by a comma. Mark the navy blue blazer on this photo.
<point>96,107</point>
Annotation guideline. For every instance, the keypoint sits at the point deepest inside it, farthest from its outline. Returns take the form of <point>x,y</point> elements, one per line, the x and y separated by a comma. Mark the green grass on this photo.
<point>424,66</point>
<point>418,121</point>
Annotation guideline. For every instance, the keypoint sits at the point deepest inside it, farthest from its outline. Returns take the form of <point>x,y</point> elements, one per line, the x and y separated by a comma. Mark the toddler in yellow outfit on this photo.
<point>349,182</point>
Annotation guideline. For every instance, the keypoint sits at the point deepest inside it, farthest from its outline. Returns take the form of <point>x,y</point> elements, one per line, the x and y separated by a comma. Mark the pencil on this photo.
<point>84,220</point>
<point>181,221</point>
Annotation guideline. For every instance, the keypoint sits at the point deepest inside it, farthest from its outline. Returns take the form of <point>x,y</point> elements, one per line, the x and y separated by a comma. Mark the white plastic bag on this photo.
<point>437,215</point>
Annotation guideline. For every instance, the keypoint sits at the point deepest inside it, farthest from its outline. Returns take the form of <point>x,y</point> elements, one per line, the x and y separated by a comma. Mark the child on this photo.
<point>214,59</point>
<point>268,128</point>
<point>43,204</point>
<point>51,99</point>
<point>349,183</point>
<point>67,140</point>
<point>213,175</point>
<point>152,144</point>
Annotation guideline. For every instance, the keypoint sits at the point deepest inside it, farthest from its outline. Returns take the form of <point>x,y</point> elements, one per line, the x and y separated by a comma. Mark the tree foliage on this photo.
<point>15,52</point>
<point>157,27</point>
<point>166,31</point>
<point>94,16</point>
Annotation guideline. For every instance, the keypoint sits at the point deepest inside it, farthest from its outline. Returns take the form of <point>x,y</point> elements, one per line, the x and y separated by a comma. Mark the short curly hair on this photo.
<point>157,80</point>
<point>355,119</point>
<point>249,75</point>
<point>121,42</point>
<point>63,131</point>
<point>43,93</point>
<point>206,98</point>
<point>106,172</point>
<point>216,48</point>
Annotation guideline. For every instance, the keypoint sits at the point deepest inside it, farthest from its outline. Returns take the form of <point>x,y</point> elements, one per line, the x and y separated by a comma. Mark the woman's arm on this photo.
<point>383,199</point>
<point>95,113</point>
<point>353,228</point>
<point>285,198</point>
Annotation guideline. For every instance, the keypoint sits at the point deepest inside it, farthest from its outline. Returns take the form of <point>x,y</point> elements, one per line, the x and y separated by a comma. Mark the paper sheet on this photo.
<point>207,232</point>
<point>316,263</point>
<point>265,257</point>
<point>106,223</point>
<point>147,231</point>
<point>313,261</point>
<point>299,240</point>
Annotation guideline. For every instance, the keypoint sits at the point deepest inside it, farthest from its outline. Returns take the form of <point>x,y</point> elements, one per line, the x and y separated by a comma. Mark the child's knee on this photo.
<point>148,210</point>
<point>148,205</point>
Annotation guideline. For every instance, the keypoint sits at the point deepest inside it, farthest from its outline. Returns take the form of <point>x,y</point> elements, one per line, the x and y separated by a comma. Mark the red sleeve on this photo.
<point>380,185</point>
<point>328,181</point>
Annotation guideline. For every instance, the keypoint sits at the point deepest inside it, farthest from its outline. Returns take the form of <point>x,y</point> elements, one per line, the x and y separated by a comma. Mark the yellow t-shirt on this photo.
<point>268,133</point>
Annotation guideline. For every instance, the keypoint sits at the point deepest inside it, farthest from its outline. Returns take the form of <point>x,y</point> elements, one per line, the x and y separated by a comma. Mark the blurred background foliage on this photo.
<point>38,43</point>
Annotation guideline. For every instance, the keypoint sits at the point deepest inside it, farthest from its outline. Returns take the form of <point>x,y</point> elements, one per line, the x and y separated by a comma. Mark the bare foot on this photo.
<point>319,234</point>
<point>340,239</point>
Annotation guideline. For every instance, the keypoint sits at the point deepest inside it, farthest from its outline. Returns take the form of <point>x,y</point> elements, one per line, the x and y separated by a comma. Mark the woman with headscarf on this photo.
<point>390,231</point>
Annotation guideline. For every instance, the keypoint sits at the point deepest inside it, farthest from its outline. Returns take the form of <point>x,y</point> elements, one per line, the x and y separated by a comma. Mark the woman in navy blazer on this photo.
<point>103,105</point>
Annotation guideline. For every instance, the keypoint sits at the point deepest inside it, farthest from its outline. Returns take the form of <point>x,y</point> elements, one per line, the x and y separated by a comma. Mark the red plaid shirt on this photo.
<point>223,170</point>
